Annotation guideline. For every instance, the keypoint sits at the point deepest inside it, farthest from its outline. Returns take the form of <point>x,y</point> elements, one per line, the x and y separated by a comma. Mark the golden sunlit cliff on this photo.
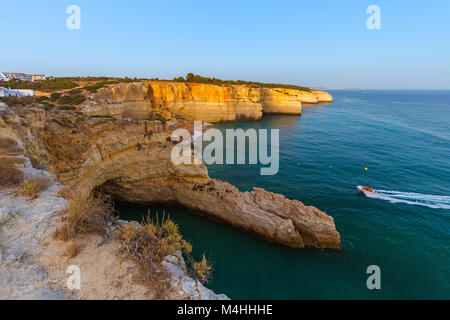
<point>197,101</point>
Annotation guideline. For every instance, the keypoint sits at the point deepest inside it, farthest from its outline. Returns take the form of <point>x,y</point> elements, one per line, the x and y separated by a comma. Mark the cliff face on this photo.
<point>167,100</point>
<point>322,96</point>
<point>281,101</point>
<point>130,159</point>
<point>289,101</point>
<point>194,101</point>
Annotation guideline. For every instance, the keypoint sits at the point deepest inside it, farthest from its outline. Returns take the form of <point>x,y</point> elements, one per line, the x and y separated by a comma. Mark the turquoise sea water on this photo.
<point>403,138</point>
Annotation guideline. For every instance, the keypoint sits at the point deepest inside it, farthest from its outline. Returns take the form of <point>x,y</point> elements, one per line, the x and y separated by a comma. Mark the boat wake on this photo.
<point>419,199</point>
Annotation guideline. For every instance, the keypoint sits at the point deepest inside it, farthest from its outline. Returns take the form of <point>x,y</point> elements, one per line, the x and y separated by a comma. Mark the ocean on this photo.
<point>403,139</point>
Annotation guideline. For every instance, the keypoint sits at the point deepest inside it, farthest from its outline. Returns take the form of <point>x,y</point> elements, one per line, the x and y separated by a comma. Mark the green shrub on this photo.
<point>55,96</point>
<point>72,100</point>
<point>190,77</point>
<point>95,87</point>
<point>75,91</point>
<point>44,85</point>
<point>41,98</point>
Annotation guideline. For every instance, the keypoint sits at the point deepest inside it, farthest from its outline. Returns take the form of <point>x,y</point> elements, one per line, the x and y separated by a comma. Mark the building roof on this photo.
<point>22,74</point>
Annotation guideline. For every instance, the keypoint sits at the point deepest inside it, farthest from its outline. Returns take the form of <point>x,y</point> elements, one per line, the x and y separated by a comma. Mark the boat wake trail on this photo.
<point>419,199</point>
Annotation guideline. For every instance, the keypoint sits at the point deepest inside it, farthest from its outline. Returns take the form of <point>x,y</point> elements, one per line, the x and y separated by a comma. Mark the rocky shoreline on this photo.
<point>110,144</point>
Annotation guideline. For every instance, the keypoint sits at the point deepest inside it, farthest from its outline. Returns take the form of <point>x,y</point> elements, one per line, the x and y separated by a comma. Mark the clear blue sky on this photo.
<point>314,43</point>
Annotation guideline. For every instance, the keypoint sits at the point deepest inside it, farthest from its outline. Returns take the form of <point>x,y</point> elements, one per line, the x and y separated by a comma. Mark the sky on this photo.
<point>313,43</point>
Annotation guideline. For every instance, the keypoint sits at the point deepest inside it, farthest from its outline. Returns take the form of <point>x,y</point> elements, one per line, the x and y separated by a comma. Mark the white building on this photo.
<point>37,77</point>
<point>6,76</point>
<point>3,77</point>
<point>4,92</point>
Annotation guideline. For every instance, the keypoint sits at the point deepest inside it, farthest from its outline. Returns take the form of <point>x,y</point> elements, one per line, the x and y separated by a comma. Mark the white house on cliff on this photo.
<point>6,76</point>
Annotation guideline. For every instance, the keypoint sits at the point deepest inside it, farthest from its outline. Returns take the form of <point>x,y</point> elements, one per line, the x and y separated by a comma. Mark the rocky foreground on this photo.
<point>33,265</point>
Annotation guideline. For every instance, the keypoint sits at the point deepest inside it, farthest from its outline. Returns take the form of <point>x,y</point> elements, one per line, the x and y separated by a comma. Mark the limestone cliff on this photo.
<point>281,101</point>
<point>194,101</point>
<point>38,261</point>
<point>167,100</point>
<point>130,159</point>
<point>322,96</point>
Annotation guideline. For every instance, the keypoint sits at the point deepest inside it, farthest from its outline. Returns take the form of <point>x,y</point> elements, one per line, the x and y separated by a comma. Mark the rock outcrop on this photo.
<point>130,159</point>
<point>33,264</point>
<point>195,101</point>
<point>281,101</point>
<point>24,227</point>
<point>322,96</point>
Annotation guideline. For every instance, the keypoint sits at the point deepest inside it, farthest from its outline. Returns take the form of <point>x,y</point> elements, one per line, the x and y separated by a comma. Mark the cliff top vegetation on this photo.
<point>190,77</point>
<point>92,84</point>
<point>44,85</point>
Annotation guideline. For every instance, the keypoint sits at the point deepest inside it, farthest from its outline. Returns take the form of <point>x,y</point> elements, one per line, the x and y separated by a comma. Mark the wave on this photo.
<point>426,200</point>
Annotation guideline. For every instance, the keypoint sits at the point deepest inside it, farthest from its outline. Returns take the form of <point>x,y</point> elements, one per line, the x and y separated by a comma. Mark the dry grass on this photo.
<point>147,244</point>
<point>67,192</point>
<point>159,239</point>
<point>150,243</point>
<point>202,270</point>
<point>64,233</point>
<point>91,215</point>
<point>73,249</point>
<point>32,188</point>
<point>147,250</point>
<point>10,175</point>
